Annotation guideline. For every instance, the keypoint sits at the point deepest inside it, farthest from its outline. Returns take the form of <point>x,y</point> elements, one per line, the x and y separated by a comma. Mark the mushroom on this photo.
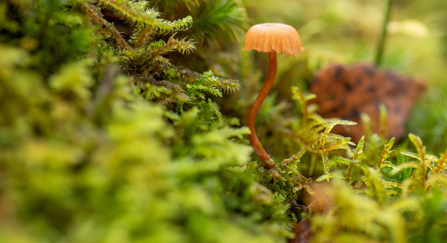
<point>271,38</point>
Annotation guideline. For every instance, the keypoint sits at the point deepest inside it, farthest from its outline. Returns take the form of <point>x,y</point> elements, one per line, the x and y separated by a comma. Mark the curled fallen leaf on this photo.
<point>348,91</point>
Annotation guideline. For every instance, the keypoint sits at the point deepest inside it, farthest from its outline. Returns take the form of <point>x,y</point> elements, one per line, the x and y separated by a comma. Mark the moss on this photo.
<point>88,152</point>
<point>105,137</point>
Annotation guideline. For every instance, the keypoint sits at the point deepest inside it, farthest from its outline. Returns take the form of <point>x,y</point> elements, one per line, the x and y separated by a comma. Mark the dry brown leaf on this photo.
<point>348,91</point>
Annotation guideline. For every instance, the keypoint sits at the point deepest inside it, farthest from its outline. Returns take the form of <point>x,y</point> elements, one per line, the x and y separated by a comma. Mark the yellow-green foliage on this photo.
<point>103,138</point>
<point>88,155</point>
<point>371,195</point>
<point>414,213</point>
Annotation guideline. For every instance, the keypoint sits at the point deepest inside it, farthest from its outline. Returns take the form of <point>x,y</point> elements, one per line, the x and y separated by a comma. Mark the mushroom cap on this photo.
<point>273,37</point>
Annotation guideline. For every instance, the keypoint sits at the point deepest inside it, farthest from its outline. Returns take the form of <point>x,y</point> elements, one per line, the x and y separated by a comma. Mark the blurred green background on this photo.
<point>348,31</point>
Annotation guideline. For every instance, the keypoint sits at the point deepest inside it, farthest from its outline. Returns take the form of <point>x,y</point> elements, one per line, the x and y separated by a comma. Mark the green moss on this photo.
<point>88,155</point>
<point>105,137</point>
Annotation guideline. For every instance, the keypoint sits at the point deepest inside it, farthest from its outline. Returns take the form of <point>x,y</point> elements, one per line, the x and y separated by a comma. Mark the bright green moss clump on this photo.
<point>87,156</point>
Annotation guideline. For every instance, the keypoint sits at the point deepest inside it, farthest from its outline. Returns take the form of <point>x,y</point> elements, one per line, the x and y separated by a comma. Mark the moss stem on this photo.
<point>257,146</point>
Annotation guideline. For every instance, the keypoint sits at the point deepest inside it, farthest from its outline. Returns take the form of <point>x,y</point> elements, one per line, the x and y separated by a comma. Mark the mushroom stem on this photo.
<point>257,146</point>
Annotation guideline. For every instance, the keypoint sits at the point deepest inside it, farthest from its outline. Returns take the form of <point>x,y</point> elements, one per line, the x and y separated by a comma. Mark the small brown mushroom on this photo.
<point>271,38</point>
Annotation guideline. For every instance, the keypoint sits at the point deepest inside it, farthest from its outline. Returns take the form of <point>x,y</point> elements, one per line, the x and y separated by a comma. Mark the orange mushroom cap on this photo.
<point>273,37</point>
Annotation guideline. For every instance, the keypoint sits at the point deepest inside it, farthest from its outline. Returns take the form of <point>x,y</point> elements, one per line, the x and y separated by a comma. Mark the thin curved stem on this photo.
<point>257,146</point>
